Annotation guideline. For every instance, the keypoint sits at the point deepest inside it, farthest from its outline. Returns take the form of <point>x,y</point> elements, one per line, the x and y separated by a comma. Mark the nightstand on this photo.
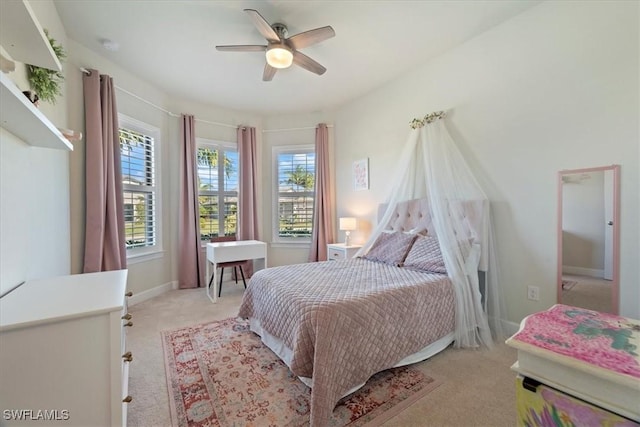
<point>337,251</point>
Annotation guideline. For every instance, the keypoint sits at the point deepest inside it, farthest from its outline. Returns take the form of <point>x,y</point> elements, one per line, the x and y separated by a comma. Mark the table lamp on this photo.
<point>347,225</point>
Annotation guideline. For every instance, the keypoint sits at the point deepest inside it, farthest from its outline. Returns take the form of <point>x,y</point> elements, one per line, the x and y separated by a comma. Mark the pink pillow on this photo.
<point>391,248</point>
<point>425,255</point>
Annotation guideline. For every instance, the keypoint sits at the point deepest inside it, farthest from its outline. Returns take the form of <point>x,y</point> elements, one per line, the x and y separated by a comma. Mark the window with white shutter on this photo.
<point>138,158</point>
<point>218,188</point>
<point>294,173</point>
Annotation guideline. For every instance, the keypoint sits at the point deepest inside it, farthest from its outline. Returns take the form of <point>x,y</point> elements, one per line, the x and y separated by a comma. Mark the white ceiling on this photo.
<point>171,44</point>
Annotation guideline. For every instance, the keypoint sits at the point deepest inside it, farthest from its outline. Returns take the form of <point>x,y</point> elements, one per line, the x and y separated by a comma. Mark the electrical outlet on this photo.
<point>533,293</point>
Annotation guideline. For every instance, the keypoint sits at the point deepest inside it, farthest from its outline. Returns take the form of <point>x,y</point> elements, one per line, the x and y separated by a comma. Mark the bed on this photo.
<point>336,323</point>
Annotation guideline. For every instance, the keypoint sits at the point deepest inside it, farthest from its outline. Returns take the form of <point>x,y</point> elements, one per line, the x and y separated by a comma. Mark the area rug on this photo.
<point>220,374</point>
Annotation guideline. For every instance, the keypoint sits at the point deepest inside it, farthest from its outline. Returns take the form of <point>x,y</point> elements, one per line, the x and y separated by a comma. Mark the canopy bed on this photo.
<point>412,290</point>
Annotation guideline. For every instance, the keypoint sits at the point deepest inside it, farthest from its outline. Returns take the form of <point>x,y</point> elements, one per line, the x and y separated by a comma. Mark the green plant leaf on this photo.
<point>47,83</point>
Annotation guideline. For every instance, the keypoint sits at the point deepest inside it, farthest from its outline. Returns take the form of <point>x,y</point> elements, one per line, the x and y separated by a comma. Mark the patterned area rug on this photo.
<point>220,374</point>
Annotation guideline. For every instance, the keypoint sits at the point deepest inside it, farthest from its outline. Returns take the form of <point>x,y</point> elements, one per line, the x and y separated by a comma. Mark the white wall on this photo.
<point>34,190</point>
<point>34,208</point>
<point>553,88</point>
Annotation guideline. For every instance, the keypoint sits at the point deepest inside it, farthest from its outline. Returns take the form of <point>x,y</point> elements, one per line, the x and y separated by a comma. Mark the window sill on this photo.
<point>144,257</point>
<point>290,245</point>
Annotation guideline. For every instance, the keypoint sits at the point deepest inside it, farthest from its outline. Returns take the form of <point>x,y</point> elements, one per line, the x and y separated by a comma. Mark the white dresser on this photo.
<point>63,358</point>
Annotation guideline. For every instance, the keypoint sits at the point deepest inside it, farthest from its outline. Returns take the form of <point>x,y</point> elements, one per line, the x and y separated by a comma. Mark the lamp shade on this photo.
<point>279,56</point>
<point>347,224</point>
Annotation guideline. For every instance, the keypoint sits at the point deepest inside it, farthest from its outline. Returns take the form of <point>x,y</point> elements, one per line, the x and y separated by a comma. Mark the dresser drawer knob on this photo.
<point>127,399</point>
<point>128,357</point>
<point>126,317</point>
<point>128,324</point>
<point>128,294</point>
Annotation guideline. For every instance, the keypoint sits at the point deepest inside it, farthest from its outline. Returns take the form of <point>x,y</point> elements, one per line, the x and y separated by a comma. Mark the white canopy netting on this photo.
<point>431,167</point>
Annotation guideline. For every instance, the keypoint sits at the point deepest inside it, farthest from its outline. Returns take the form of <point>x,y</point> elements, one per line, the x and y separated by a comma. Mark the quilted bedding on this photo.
<point>347,320</point>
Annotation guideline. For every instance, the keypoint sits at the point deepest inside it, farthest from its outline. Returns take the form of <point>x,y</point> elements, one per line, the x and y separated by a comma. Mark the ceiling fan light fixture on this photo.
<point>282,51</point>
<point>279,56</point>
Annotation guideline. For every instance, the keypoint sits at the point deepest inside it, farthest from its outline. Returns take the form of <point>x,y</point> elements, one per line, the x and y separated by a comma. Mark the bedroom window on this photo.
<point>139,160</point>
<point>218,188</point>
<point>294,172</point>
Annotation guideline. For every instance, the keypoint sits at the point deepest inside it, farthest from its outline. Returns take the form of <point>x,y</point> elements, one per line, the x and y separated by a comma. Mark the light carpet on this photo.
<point>220,373</point>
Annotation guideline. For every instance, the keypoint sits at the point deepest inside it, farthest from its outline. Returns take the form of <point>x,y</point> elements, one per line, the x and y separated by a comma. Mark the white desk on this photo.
<point>233,251</point>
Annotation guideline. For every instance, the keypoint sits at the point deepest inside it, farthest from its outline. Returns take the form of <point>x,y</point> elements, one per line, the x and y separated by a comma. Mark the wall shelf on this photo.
<point>20,117</point>
<point>22,36</point>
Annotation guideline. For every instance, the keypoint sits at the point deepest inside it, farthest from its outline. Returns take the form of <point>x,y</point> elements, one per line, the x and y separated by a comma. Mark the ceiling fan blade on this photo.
<point>311,37</point>
<point>268,73</point>
<point>242,48</point>
<point>262,25</point>
<point>307,63</point>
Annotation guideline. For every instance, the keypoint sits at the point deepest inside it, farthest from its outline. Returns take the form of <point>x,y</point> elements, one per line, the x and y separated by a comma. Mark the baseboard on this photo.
<point>510,328</point>
<point>137,298</point>
<point>582,271</point>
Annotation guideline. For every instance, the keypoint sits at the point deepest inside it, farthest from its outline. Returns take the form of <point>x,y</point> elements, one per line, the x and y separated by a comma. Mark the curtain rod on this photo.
<point>290,129</point>
<point>157,107</point>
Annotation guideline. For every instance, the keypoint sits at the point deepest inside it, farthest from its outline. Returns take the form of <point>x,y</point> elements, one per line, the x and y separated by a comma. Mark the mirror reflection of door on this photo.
<point>588,238</point>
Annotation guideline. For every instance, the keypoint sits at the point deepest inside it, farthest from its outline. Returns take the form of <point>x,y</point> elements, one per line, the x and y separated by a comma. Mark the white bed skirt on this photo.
<point>286,354</point>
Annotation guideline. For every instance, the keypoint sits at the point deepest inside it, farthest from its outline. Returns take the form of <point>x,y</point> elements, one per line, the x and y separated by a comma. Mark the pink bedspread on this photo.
<point>601,340</point>
<point>346,320</point>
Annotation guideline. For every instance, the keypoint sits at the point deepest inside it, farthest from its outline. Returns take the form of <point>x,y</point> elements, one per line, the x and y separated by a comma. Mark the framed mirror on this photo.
<point>589,238</point>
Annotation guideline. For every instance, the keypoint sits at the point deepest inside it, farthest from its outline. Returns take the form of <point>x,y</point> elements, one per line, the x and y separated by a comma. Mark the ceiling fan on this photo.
<point>281,51</point>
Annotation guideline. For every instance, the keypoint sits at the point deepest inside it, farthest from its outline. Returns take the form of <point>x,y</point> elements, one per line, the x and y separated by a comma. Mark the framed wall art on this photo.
<point>361,174</point>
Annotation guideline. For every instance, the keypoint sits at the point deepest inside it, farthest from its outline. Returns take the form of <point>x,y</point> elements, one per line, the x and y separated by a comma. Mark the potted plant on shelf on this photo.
<point>44,82</point>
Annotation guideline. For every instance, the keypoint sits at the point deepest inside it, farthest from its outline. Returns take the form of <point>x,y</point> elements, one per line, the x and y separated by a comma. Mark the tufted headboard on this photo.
<point>414,215</point>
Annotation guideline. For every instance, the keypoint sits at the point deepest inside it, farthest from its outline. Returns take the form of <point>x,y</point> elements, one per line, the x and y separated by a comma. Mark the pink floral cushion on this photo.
<point>425,255</point>
<point>391,248</point>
